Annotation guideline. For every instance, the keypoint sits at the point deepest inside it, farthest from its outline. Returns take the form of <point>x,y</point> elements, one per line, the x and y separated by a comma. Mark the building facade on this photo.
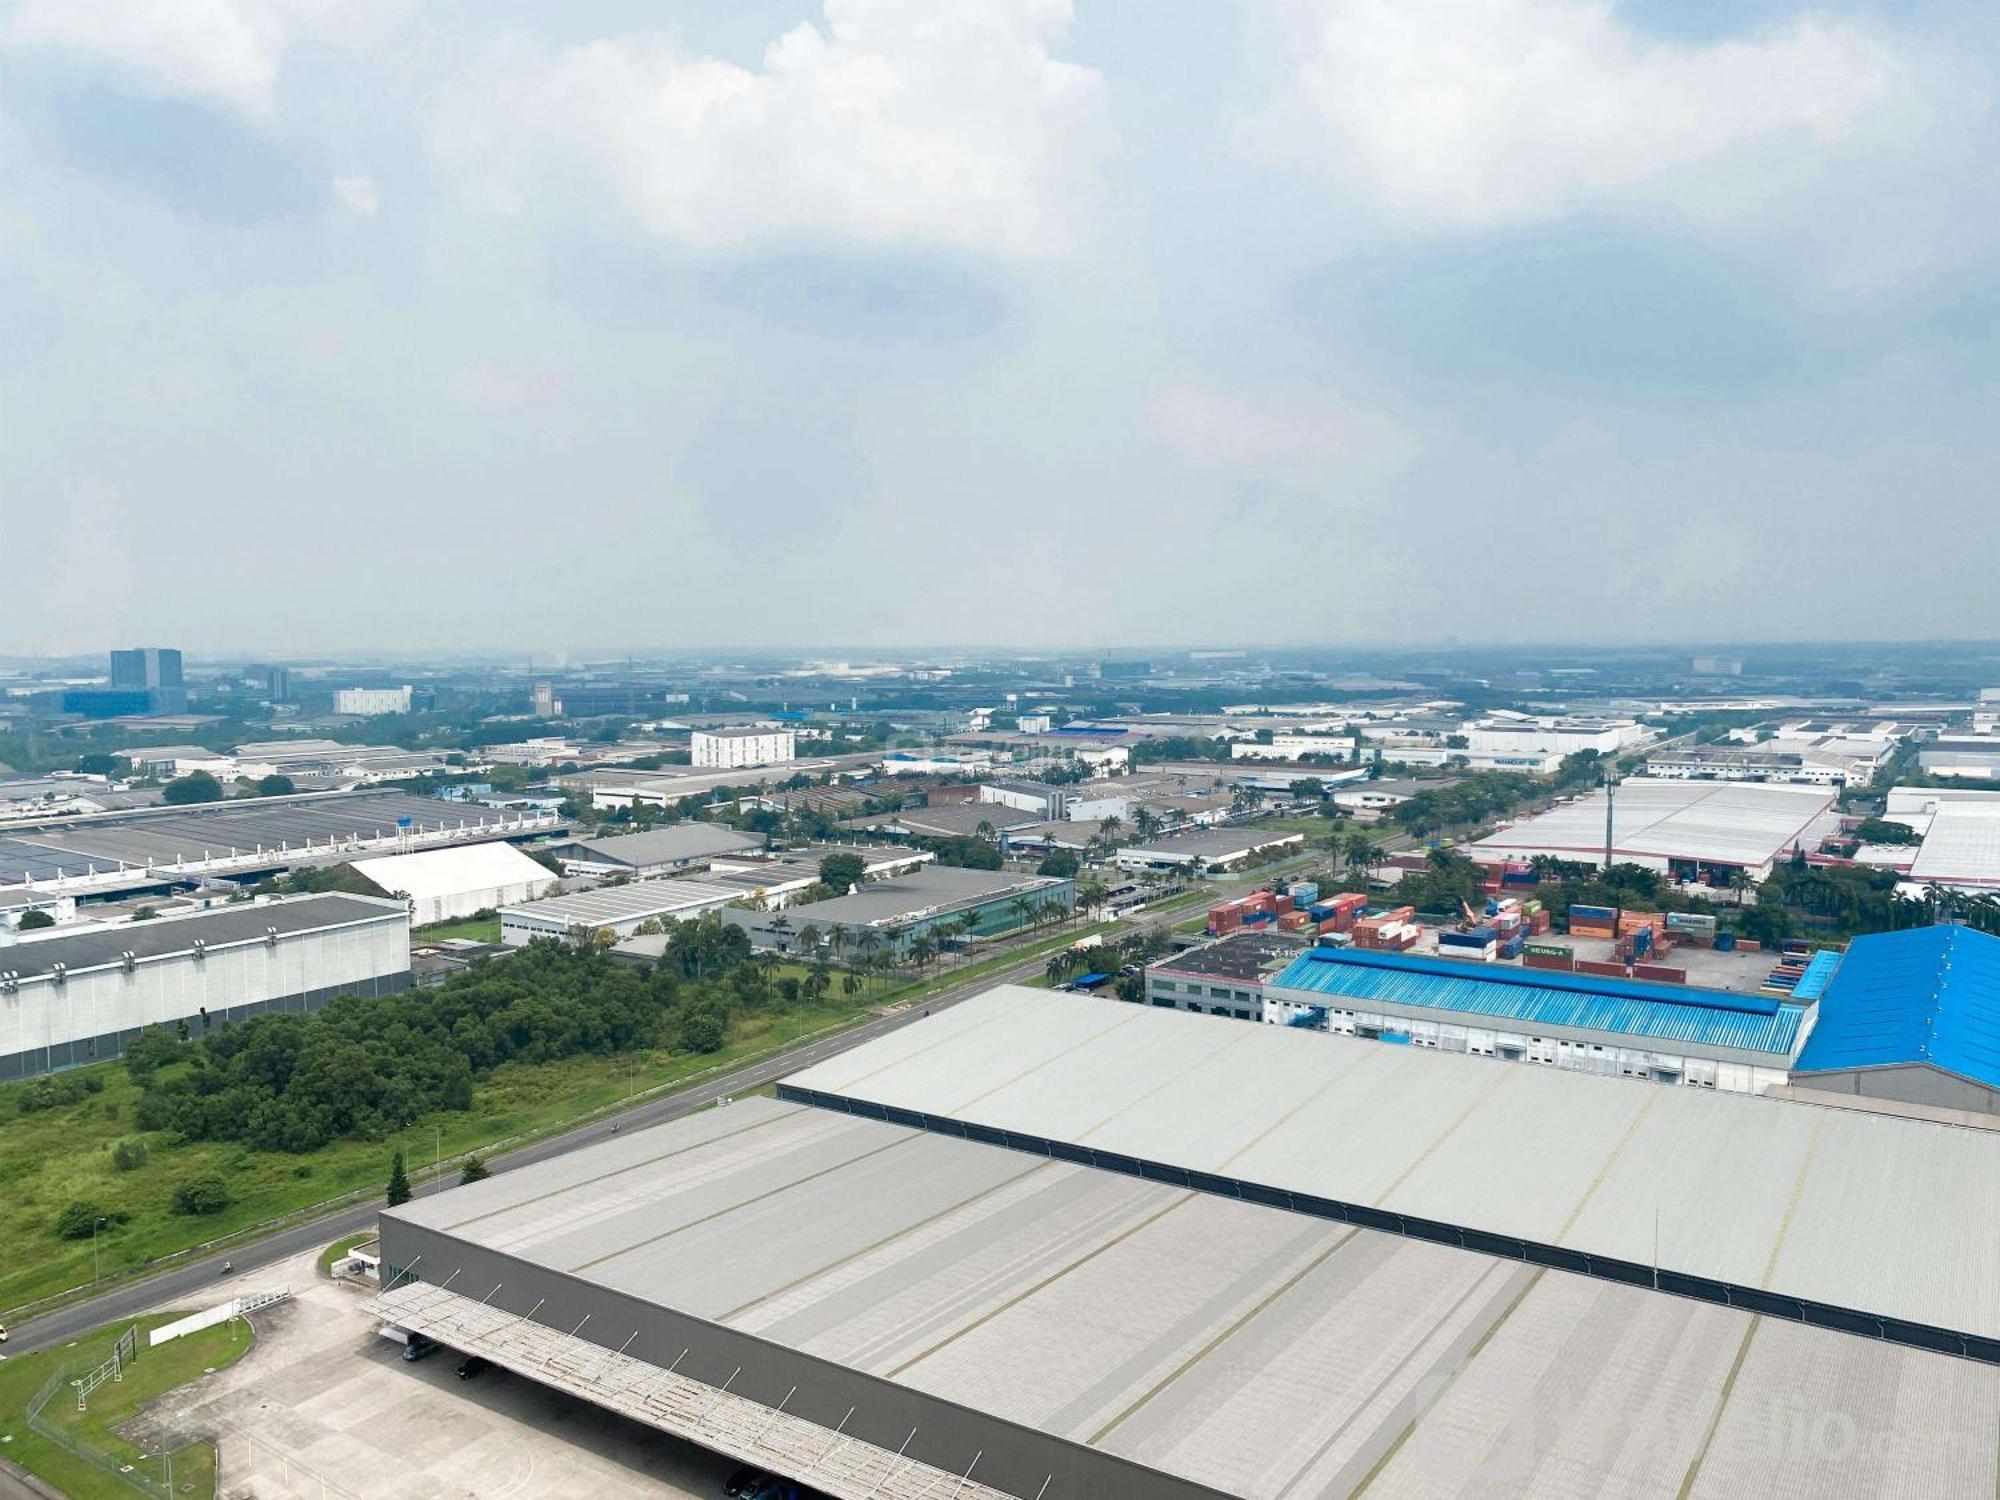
<point>756,745</point>
<point>67,1000</point>
<point>368,702</point>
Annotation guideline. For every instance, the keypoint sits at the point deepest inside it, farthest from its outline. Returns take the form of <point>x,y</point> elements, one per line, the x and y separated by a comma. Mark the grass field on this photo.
<point>483,930</point>
<point>156,1372</point>
<point>55,1157</point>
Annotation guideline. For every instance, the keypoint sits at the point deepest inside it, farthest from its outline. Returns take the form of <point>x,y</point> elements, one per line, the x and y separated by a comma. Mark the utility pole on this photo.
<point>1610,803</point>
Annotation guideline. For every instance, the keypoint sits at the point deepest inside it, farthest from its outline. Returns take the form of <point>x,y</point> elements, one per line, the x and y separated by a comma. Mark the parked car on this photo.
<point>471,1365</point>
<point>417,1346</point>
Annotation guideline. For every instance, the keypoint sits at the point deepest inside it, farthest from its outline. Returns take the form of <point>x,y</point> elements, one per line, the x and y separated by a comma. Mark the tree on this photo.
<point>1061,863</point>
<point>128,1156</point>
<point>398,1191</point>
<point>473,1171</point>
<point>843,871</point>
<point>97,763</point>
<point>149,1051</point>
<point>209,1194</point>
<point>700,1031</point>
<point>80,1220</point>
<point>33,920</point>
<point>196,786</point>
<point>275,786</point>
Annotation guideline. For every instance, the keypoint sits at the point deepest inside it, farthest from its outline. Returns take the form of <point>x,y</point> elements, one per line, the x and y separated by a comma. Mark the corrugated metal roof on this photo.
<point>1728,822</point>
<point>1851,1209</point>
<point>1753,1023</point>
<point>1928,995</point>
<point>1818,975</point>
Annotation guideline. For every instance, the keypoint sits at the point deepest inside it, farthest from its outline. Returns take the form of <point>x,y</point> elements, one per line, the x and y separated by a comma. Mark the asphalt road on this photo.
<point>189,1281</point>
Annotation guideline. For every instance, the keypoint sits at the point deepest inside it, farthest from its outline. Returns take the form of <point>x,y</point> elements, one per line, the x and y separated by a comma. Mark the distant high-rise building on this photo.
<point>154,671</point>
<point>368,702</point>
<point>546,706</point>
<point>278,684</point>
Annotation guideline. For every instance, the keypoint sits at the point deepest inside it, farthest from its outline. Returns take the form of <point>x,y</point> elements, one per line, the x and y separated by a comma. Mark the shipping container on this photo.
<point>1594,913</point>
<point>1551,950</point>
<point>1562,965</point>
<point>1663,973</point>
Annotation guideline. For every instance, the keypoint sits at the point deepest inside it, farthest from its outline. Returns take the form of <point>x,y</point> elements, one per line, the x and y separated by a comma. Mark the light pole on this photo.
<point>437,1147</point>
<point>100,1219</point>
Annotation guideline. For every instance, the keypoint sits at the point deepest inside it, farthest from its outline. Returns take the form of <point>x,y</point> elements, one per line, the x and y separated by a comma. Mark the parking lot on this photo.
<point>323,1398</point>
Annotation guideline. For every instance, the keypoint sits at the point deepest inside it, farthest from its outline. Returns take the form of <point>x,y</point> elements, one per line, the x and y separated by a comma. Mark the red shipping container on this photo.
<point>1548,961</point>
<point>1292,921</point>
<point>1592,966</point>
<point>1664,973</point>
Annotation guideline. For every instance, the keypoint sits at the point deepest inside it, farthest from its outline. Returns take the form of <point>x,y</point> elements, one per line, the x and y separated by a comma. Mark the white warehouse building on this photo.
<point>66,1000</point>
<point>754,745</point>
<point>444,884</point>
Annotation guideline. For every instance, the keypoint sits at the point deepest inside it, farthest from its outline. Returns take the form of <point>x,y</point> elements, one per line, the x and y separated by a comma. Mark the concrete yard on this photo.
<point>321,1396</point>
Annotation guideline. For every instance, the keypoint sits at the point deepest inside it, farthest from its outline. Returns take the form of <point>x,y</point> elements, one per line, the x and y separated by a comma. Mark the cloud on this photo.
<point>223,51</point>
<point>1288,429</point>
<point>357,195</point>
<point>1479,112</point>
<point>934,122</point>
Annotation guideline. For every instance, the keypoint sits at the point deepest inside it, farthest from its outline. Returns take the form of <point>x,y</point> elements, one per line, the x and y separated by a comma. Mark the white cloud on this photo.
<point>947,122</point>
<point>1292,429</point>
<point>1474,112</point>
<point>224,51</point>
<point>357,195</point>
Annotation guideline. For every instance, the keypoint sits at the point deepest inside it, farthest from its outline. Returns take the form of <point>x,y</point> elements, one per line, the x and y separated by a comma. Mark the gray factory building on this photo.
<point>894,1300</point>
<point>66,1000</point>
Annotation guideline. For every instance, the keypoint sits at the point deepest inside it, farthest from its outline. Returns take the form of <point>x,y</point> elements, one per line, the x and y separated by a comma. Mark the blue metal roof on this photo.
<point>1717,1018</point>
<point>1818,975</point>
<point>1926,995</point>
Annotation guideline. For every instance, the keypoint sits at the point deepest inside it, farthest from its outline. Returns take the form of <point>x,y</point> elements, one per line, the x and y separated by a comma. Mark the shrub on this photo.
<point>207,1194</point>
<point>78,1220</point>
<point>128,1156</point>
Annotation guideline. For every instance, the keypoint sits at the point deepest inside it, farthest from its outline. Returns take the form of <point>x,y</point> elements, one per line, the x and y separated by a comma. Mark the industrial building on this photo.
<point>1957,844</point>
<point>658,851</point>
<point>167,847</point>
<point>619,910</point>
<point>1691,830</point>
<point>370,702</point>
<point>1734,763</point>
<point>1210,849</point>
<point>444,884</point>
<point>756,745</point>
<point>69,999</point>
<point>874,1287</point>
<point>1623,1028</point>
<point>923,900</point>
<point>1911,1017</point>
<point>1976,757</point>
<point>1224,978</point>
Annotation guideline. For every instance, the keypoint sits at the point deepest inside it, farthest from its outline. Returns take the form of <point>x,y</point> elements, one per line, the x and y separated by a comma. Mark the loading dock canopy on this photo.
<point>1887,1218</point>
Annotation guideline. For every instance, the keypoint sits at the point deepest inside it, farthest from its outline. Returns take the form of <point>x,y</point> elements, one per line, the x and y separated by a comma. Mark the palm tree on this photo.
<point>1023,910</point>
<point>1145,822</point>
<point>809,939</point>
<point>781,927</point>
<point>923,949</point>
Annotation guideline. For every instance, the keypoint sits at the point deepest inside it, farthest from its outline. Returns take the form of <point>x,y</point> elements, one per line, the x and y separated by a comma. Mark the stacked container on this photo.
<point>1480,943</point>
<point>1294,921</point>
<point>1593,921</point>
<point>1303,893</point>
<point>1557,956</point>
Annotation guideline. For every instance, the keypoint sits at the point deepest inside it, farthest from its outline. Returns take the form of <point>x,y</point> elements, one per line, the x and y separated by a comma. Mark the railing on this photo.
<point>142,1479</point>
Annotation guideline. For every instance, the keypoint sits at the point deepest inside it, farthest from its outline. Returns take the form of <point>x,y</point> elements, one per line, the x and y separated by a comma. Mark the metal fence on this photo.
<point>152,1477</point>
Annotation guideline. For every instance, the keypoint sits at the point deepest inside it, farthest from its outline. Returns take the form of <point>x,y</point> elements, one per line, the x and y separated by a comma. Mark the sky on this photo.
<point>366,324</point>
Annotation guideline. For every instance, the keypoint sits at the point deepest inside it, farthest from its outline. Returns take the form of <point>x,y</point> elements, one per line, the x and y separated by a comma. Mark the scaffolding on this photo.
<point>750,1432</point>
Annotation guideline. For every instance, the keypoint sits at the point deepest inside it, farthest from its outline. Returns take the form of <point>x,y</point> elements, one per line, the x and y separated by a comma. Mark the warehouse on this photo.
<point>1210,849</point>
<point>658,851</point>
<point>1752,1200</point>
<point>891,1312</point>
<point>1621,1028</point>
<point>1224,978</point>
<point>1692,830</point>
<point>241,839</point>
<point>1912,1017</point>
<point>923,900</point>
<point>620,910</point>
<point>444,884</point>
<point>80,998</point>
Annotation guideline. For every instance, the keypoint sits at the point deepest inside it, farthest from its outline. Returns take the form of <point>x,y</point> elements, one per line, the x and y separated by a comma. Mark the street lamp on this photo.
<point>100,1219</point>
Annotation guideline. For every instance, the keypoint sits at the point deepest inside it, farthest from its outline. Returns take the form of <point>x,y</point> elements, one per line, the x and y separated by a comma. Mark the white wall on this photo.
<point>180,987</point>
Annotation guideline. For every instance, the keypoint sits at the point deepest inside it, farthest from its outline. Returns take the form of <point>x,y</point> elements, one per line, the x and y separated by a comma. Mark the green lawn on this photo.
<point>483,930</point>
<point>340,1247</point>
<point>156,1372</point>
<point>54,1157</point>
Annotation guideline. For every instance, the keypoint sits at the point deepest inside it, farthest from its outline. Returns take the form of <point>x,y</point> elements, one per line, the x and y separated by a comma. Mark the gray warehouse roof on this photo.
<point>917,893</point>
<point>639,900</point>
<point>660,846</point>
<point>1265,1354</point>
<point>1884,1216</point>
<point>161,936</point>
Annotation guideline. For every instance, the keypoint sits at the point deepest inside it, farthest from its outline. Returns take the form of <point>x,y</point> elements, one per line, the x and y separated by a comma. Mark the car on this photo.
<point>744,1482</point>
<point>416,1346</point>
<point>761,1484</point>
<point>471,1365</point>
